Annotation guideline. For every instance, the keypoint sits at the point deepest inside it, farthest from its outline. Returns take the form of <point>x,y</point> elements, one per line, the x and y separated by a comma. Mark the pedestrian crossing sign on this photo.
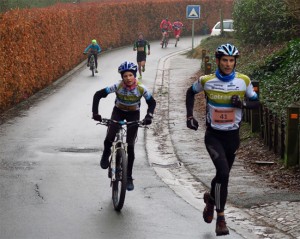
<point>193,11</point>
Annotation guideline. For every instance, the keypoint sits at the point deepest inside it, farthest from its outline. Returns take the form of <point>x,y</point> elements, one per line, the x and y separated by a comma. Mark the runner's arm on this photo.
<point>190,99</point>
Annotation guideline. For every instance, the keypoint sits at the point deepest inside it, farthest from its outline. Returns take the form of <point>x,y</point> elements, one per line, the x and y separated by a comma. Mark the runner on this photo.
<point>225,92</point>
<point>141,46</point>
<point>177,28</point>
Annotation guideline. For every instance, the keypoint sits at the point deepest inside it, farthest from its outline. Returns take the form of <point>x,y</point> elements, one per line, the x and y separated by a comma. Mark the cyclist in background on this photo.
<point>177,28</point>
<point>93,49</point>
<point>165,26</point>
<point>129,92</point>
<point>141,46</point>
<point>225,92</point>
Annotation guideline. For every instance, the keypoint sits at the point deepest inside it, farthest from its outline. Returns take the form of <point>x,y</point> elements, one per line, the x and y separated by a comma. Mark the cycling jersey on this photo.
<point>177,25</point>
<point>128,100</point>
<point>93,48</point>
<point>221,115</point>
<point>165,25</point>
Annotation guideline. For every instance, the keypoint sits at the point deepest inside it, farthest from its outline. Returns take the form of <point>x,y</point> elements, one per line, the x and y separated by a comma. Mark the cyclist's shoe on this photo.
<point>221,228</point>
<point>208,212</point>
<point>140,77</point>
<point>104,163</point>
<point>130,185</point>
<point>96,71</point>
<point>143,68</point>
<point>88,65</point>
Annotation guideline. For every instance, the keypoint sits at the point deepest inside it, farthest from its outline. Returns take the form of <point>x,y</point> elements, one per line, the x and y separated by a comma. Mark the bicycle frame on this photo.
<point>165,39</point>
<point>117,144</point>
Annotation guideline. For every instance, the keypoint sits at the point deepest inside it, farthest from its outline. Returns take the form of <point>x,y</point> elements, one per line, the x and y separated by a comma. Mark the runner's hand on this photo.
<point>191,123</point>
<point>236,101</point>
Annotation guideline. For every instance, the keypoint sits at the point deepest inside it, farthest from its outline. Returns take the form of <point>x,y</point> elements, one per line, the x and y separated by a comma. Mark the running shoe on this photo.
<point>221,228</point>
<point>104,163</point>
<point>130,185</point>
<point>208,212</point>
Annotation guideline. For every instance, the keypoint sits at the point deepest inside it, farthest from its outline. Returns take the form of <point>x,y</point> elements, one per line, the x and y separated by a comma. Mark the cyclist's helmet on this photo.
<point>227,50</point>
<point>127,66</point>
<point>94,41</point>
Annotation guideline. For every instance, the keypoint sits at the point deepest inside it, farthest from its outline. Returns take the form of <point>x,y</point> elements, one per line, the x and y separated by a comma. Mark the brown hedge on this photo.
<point>37,46</point>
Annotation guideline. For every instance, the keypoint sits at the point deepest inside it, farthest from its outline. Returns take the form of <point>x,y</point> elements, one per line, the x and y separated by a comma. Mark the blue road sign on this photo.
<point>193,11</point>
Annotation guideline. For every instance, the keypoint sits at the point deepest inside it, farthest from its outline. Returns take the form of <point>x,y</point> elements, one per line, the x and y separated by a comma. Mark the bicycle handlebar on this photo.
<point>107,122</point>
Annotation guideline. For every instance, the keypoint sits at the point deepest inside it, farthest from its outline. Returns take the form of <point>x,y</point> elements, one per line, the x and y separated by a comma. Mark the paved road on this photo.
<point>51,185</point>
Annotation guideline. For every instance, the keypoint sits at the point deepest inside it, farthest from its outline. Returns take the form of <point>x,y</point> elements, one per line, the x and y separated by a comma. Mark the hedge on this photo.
<point>39,45</point>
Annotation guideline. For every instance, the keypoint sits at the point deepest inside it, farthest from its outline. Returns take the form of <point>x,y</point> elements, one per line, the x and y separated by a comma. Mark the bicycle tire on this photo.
<point>166,43</point>
<point>120,185</point>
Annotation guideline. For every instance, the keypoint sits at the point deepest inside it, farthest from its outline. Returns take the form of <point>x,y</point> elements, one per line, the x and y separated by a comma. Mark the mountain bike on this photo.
<point>165,40</point>
<point>117,170</point>
<point>92,64</point>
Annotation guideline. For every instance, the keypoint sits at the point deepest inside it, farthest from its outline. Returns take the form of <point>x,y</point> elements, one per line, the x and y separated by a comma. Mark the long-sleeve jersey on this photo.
<point>93,48</point>
<point>177,25</point>
<point>126,99</point>
<point>220,113</point>
<point>166,25</point>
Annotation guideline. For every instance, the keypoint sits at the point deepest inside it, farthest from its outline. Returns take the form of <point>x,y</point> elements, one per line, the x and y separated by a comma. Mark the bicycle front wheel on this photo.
<point>120,184</point>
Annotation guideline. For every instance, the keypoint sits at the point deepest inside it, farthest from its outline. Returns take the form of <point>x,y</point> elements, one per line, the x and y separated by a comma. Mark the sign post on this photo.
<point>193,12</point>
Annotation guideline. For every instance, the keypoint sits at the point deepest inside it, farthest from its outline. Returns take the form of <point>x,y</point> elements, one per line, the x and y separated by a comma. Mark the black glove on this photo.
<point>236,101</point>
<point>191,123</point>
<point>147,120</point>
<point>97,117</point>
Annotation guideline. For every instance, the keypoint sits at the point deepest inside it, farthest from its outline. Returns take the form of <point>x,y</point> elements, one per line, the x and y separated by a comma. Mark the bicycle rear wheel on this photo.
<point>120,184</point>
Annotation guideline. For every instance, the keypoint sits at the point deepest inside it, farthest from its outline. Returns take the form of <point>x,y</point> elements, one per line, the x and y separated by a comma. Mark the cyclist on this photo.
<point>128,92</point>
<point>165,27</point>
<point>225,92</point>
<point>177,28</point>
<point>141,46</point>
<point>93,49</point>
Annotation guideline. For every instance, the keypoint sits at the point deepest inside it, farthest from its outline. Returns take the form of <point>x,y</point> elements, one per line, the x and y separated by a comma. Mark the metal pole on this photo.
<point>193,35</point>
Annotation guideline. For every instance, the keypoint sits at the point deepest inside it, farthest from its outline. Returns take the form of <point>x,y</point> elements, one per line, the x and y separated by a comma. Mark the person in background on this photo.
<point>129,92</point>
<point>165,27</point>
<point>225,92</point>
<point>177,28</point>
<point>142,47</point>
<point>93,49</point>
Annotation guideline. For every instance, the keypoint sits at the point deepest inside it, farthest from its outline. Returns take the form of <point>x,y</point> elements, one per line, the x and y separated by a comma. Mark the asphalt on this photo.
<point>179,157</point>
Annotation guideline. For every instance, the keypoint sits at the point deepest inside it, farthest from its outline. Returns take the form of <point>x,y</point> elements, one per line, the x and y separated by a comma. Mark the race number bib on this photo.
<point>223,116</point>
<point>141,48</point>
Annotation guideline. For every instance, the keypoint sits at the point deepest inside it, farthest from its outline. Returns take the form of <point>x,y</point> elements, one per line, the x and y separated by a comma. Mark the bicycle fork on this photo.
<point>113,164</point>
